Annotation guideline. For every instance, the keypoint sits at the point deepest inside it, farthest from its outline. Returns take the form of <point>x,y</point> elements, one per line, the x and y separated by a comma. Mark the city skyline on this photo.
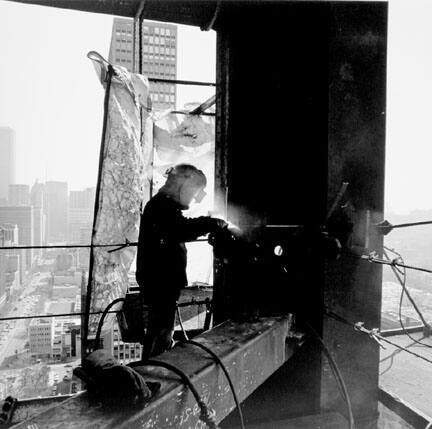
<point>56,109</point>
<point>50,145</point>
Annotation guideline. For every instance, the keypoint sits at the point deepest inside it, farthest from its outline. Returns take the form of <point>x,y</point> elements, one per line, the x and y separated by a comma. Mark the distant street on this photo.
<point>13,334</point>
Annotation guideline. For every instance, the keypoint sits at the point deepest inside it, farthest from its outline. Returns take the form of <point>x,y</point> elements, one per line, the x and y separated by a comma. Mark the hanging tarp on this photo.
<point>182,138</point>
<point>123,185</point>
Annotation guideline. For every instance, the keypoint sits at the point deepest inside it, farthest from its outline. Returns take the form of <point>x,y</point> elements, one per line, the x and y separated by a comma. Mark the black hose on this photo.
<point>338,376</point>
<point>207,416</point>
<point>221,364</point>
<point>217,359</point>
<point>102,319</point>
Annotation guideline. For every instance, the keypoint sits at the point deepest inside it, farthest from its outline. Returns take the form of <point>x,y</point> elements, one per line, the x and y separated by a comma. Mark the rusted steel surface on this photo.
<point>250,351</point>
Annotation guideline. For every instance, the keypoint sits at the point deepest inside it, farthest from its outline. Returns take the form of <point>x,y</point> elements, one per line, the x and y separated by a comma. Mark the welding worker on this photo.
<point>161,257</point>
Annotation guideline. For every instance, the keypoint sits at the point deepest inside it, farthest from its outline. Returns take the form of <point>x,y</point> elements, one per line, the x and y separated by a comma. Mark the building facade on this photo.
<point>18,195</point>
<point>9,261</point>
<point>81,211</point>
<point>22,216</point>
<point>37,197</point>
<point>7,161</point>
<point>56,210</point>
<point>159,56</point>
<point>41,335</point>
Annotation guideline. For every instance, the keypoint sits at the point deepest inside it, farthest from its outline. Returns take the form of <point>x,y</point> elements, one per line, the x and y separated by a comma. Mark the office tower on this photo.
<point>56,210</point>
<point>37,194</point>
<point>9,260</point>
<point>159,56</point>
<point>82,199</point>
<point>19,195</point>
<point>81,210</point>
<point>22,216</point>
<point>37,197</point>
<point>7,161</point>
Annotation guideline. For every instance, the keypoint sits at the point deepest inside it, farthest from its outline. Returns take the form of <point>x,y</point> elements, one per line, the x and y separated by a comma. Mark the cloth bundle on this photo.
<point>109,381</point>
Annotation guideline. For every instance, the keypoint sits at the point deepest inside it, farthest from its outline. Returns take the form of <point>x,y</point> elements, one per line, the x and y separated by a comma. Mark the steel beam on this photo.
<point>251,352</point>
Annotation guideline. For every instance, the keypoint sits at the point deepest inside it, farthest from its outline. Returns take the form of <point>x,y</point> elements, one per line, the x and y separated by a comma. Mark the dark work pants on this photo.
<point>160,326</point>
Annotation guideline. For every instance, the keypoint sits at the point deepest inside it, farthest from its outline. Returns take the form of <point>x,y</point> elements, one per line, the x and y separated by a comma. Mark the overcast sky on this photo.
<point>50,95</point>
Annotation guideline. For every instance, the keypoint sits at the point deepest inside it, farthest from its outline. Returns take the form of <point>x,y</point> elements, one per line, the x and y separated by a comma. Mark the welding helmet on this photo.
<point>185,183</point>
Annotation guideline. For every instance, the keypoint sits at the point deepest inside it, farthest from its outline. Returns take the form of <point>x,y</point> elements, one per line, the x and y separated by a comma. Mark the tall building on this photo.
<point>18,195</point>
<point>37,194</point>
<point>22,216</point>
<point>81,210</point>
<point>56,210</point>
<point>7,161</point>
<point>159,56</point>
<point>37,197</point>
<point>82,199</point>
<point>9,260</point>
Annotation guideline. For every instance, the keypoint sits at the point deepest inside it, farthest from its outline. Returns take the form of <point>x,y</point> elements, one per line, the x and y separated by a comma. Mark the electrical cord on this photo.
<point>337,374</point>
<point>218,361</point>
<point>221,364</point>
<point>207,415</point>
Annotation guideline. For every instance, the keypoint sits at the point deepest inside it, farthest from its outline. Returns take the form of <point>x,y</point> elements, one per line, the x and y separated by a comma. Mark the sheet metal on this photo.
<point>250,351</point>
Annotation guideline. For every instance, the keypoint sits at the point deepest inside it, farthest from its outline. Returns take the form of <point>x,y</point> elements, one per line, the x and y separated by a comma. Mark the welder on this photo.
<point>162,254</point>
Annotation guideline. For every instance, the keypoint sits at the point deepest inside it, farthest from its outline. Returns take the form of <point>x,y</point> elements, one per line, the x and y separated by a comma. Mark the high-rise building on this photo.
<point>18,195</point>
<point>37,194</point>
<point>7,161</point>
<point>22,216</point>
<point>82,199</point>
<point>159,56</point>
<point>37,197</point>
<point>56,210</point>
<point>81,210</point>
<point>9,260</point>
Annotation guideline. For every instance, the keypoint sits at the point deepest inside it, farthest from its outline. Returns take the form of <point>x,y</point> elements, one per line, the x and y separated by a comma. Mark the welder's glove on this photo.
<point>218,224</point>
<point>111,382</point>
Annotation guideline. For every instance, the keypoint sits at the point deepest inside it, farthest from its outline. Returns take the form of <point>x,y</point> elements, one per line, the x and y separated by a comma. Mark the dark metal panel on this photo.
<point>357,92</point>
<point>189,12</point>
<point>250,351</point>
<point>274,108</point>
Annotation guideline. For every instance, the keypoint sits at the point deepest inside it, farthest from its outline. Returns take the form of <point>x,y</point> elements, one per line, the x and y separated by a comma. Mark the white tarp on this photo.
<point>124,185</point>
<point>131,144</point>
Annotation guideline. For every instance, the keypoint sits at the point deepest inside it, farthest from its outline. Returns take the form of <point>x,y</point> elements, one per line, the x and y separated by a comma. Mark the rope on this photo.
<point>2,319</point>
<point>402,282</point>
<point>181,304</point>
<point>108,79</point>
<point>373,334</point>
<point>373,258</point>
<point>207,415</point>
<point>120,246</point>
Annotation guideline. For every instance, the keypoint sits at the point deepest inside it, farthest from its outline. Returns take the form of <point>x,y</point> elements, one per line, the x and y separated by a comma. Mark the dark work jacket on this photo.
<point>161,257</point>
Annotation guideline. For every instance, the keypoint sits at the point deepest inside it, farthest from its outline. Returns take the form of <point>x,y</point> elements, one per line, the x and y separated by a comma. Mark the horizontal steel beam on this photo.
<point>251,352</point>
<point>189,12</point>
